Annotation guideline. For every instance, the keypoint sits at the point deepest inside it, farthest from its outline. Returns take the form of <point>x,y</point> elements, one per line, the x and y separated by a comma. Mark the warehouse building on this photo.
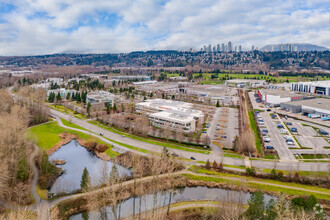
<point>246,83</point>
<point>320,106</point>
<point>316,87</point>
<point>274,97</point>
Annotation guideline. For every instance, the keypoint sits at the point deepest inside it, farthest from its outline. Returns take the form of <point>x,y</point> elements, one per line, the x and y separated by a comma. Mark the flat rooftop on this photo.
<point>314,103</point>
<point>245,81</point>
<point>282,93</point>
<point>325,83</point>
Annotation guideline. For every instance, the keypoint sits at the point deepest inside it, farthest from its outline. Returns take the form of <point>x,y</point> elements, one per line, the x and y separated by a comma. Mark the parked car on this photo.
<point>265,130</point>
<point>323,132</point>
<point>288,123</point>
<point>280,126</point>
<point>287,137</point>
<point>294,130</point>
<point>223,136</point>
<point>283,131</point>
<point>290,142</point>
<point>268,110</point>
<point>192,158</point>
<point>266,139</point>
<point>261,123</point>
<point>269,147</point>
<point>274,116</point>
<point>101,134</point>
<point>258,116</point>
<point>204,132</point>
<point>218,128</point>
<point>256,112</point>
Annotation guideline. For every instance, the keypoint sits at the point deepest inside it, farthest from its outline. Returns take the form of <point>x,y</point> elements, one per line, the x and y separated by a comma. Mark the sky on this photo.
<point>33,27</point>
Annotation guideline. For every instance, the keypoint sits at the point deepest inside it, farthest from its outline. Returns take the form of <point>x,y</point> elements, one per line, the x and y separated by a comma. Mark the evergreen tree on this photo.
<point>218,104</point>
<point>58,97</point>
<point>145,98</point>
<point>78,98</point>
<point>85,180</point>
<point>88,108</point>
<point>108,108</point>
<point>68,96</point>
<point>114,107</point>
<point>256,208</point>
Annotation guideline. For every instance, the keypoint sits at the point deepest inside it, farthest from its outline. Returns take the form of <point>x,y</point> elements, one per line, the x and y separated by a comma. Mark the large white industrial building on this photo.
<point>320,107</point>
<point>315,87</point>
<point>172,114</point>
<point>274,97</point>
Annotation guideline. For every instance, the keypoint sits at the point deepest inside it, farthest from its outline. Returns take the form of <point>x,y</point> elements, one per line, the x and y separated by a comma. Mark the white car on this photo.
<point>266,139</point>
<point>258,116</point>
<point>261,123</point>
<point>283,131</point>
<point>290,142</point>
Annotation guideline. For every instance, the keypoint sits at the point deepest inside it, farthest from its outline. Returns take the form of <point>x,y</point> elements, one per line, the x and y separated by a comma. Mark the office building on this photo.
<point>223,47</point>
<point>218,47</point>
<point>170,114</point>
<point>229,47</point>
<point>98,97</point>
<point>252,48</point>
<point>240,48</point>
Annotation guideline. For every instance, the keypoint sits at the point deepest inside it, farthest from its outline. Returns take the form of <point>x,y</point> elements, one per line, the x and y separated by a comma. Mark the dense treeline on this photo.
<point>275,60</point>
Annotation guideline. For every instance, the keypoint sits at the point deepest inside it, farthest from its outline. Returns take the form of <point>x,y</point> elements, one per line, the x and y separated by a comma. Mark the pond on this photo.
<point>77,158</point>
<point>160,199</point>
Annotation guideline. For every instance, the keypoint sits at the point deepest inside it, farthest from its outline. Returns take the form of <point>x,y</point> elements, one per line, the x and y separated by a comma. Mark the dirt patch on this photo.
<point>66,138</point>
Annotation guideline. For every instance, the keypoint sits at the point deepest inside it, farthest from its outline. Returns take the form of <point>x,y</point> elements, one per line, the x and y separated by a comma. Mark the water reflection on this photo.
<point>162,199</point>
<point>77,158</point>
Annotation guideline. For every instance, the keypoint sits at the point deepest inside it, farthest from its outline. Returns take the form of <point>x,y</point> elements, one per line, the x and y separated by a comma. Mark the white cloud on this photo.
<point>39,26</point>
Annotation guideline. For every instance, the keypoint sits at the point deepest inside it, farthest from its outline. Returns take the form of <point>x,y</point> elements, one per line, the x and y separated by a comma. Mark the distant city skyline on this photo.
<point>54,26</point>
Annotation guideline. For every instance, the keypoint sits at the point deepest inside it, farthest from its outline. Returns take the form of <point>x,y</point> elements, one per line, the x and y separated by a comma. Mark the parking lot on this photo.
<point>308,137</point>
<point>277,140</point>
<point>224,126</point>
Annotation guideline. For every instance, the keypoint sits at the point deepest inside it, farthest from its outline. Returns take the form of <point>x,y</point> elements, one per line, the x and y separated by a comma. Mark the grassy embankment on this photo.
<point>65,110</point>
<point>167,144</point>
<point>265,185</point>
<point>72,125</point>
<point>46,136</point>
<point>255,131</point>
<point>67,123</point>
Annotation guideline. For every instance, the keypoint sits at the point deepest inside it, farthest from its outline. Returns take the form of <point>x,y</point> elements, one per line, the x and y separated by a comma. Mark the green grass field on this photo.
<point>72,125</point>
<point>46,136</point>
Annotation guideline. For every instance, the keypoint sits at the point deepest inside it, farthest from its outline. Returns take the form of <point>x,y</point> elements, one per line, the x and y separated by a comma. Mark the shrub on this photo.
<point>207,165</point>
<point>273,174</point>
<point>220,166</point>
<point>250,171</point>
<point>215,165</point>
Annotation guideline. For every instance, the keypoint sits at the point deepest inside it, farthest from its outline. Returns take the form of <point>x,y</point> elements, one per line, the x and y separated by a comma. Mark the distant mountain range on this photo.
<point>295,46</point>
